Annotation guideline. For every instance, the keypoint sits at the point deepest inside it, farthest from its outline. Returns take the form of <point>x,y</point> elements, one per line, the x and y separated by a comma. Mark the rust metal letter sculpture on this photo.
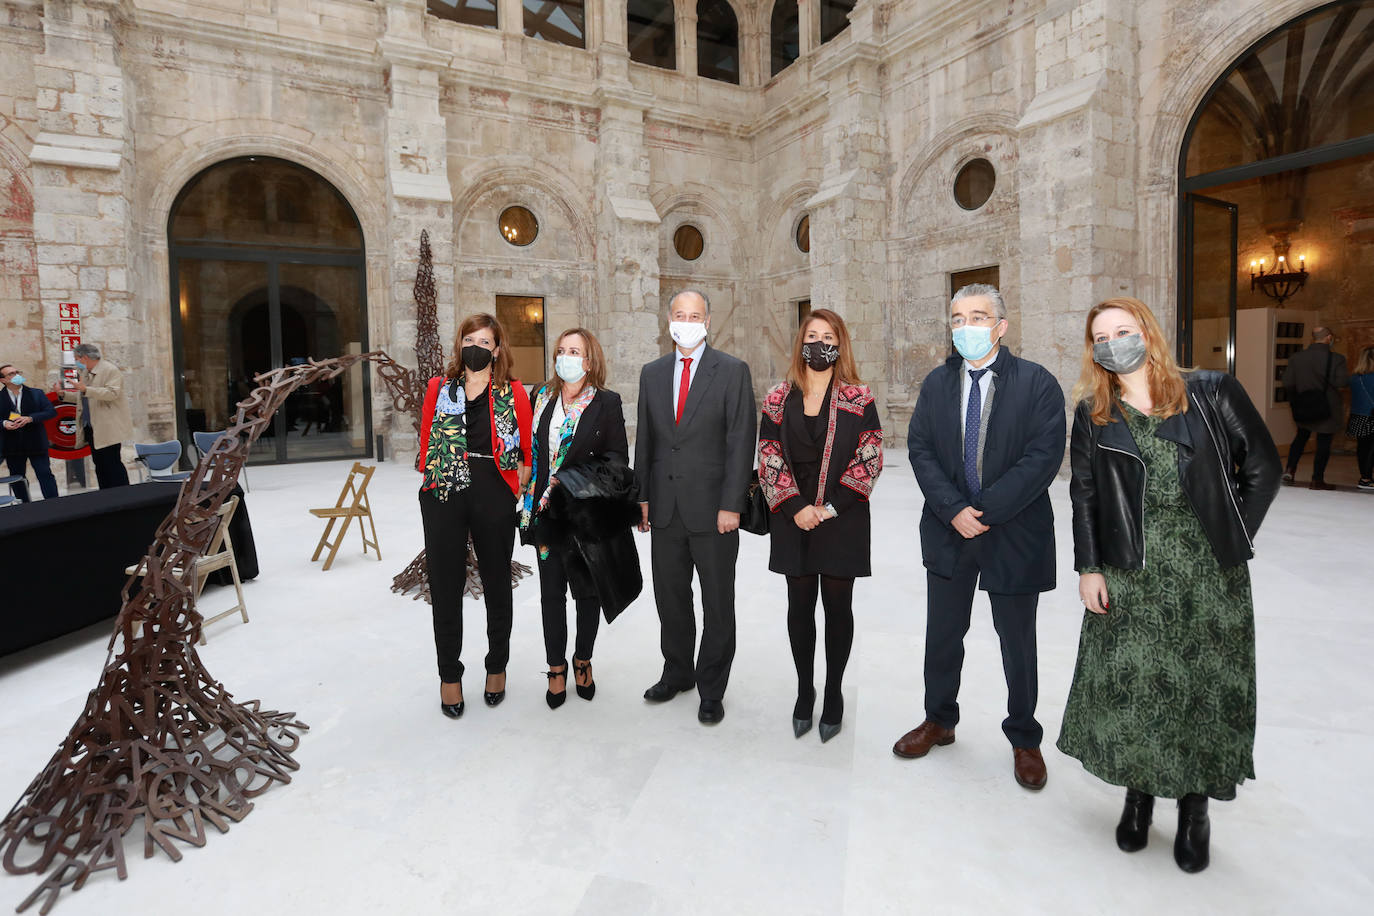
<point>161,744</point>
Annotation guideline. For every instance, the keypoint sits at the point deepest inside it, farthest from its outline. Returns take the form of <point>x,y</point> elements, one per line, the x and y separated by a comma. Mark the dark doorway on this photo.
<point>267,270</point>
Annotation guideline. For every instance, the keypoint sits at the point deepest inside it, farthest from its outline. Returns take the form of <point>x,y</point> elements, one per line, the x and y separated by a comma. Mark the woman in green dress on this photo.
<point>1172,474</point>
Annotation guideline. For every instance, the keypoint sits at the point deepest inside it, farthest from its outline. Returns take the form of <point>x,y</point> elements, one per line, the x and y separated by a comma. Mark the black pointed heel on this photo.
<point>802,713</point>
<point>556,700</point>
<point>454,710</point>
<point>584,669</point>
<point>494,697</point>
<point>1133,832</point>
<point>834,711</point>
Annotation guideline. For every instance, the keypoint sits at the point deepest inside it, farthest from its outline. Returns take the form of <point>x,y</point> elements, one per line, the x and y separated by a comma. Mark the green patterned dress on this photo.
<point>1163,695</point>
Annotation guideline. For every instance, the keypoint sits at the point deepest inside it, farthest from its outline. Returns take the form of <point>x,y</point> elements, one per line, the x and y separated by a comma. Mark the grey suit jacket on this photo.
<point>703,465</point>
<point>1305,373</point>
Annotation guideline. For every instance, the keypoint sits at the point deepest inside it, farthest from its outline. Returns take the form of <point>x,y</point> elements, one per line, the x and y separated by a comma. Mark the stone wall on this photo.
<point>109,107</point>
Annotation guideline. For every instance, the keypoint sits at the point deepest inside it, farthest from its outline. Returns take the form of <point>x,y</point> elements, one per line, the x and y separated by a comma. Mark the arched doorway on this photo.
<point>268,270</point>
<point>1276,204</point>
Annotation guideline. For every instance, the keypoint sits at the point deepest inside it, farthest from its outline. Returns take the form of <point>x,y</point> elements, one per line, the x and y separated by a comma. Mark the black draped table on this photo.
<point>64,559</point>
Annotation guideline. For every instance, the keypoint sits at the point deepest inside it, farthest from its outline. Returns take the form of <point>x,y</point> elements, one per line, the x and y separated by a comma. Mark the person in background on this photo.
<point>1172,474</point>
<point>1361,425</point>
<point>581,530</point>
<point>25,441</point>
<point>985,441</point>
<point>105,419</point>
<point>475,458</point>
<point>820,453</point>
<point>694,451</point>
<point>1315,369</point>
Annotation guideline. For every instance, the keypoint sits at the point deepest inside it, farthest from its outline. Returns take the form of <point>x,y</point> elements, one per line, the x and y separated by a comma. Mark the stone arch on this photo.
<point>961,131</point>
<point>694,197</point>
<point>779,242</point>
<point>530,173</point>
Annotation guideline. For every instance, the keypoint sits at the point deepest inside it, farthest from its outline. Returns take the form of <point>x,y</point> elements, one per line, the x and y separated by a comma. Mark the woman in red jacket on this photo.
<point>475,457</point>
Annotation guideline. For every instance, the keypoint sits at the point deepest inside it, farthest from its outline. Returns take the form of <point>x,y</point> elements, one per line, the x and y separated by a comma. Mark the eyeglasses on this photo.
<point>983,321</point>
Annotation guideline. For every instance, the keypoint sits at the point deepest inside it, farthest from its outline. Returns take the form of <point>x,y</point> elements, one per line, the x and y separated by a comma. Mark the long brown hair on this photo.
<point>846,370</point>
<point>1096,384</point>
<point>500,363</point>
<point>596,361</point>
<point>1363,366</point>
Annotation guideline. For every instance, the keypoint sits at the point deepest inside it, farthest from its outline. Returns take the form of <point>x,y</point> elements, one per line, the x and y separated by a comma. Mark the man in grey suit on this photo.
<point>694,451</point>
<point>1316,369</point>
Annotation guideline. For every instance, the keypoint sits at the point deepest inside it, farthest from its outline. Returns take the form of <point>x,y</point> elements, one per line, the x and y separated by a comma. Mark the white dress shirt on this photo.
<point>695,357</point>
<point>984,383</point>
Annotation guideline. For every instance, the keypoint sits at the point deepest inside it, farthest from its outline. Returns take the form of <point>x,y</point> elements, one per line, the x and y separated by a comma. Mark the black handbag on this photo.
<point>754,519</point>
<point>1311,407</point>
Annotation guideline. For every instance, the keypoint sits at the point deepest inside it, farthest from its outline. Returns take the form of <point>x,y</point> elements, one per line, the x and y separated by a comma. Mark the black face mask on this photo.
<point>820,356</point>
<point>476,358</point>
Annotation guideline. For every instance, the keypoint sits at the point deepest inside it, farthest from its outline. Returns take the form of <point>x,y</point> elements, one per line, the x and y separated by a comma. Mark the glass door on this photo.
<point>1207,316</point>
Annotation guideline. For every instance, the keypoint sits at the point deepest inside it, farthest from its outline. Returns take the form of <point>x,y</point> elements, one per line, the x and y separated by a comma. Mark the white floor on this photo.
<point>616,806</point>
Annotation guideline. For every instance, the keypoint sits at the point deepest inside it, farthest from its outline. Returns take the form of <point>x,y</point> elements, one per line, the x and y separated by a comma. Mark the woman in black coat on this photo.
<point>579,508</point>
<point>820,452</point>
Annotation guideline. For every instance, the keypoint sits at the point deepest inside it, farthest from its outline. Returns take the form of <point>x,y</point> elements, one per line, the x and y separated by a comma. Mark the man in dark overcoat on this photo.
<point>1316,368</point>
<point>694,454</point>
<point>24,440</point>
<point>985,441</point>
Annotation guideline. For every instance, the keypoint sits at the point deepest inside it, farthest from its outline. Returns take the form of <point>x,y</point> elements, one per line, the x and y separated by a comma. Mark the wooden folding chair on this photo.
<point>219,555</point>
<point>357,507</point>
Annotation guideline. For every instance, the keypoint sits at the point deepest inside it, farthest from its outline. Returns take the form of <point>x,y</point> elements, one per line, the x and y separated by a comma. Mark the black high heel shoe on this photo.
<point>802,713</point>
<point>1194,834</point>
<point>453,710</point>
<point>1133,832</point>
<point>584,669</point>
<point>556,700</point>
<point>494,697</point>
<point>834,711</point>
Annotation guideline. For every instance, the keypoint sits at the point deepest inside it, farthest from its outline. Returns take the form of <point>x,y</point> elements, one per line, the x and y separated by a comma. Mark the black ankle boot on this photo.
<point>1133,832</point>
<point>1194,832</point>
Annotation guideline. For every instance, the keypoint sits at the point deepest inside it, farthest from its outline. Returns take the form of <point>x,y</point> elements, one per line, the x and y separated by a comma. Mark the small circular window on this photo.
<point>804,233</point>
<point>688,243</point>
<point>518,226</point>
<point>974,183</point>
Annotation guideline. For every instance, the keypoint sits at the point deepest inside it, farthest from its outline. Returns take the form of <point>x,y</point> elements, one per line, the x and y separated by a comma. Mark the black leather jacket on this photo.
<point>1227,464</point>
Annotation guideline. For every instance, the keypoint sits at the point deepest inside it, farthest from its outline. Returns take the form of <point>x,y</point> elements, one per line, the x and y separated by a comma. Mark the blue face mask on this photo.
<point>569,368</point>
<point>17,380</point>
<point>973,341</point>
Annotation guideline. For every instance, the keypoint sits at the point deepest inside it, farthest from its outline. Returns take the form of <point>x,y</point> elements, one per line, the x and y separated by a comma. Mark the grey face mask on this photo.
<point>1122,355</point>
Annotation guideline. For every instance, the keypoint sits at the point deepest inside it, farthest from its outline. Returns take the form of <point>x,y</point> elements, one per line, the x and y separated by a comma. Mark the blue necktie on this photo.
<point>973,419</point>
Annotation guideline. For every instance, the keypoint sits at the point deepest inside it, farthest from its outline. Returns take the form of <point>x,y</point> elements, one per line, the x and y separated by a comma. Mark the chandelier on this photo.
<point>1281,281</point>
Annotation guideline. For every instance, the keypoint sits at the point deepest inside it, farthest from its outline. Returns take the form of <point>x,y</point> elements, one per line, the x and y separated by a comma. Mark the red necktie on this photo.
<point>683,385</point>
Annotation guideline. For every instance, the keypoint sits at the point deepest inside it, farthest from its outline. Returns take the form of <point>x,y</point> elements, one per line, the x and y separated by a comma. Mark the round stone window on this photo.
<point>974,183</point>
<point>804,233</point>
<point>518,226</point>
<point>688,243</point>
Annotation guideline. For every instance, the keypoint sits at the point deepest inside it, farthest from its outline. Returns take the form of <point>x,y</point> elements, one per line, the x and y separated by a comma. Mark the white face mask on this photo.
<point>569,368</point>
<point>687,334</point>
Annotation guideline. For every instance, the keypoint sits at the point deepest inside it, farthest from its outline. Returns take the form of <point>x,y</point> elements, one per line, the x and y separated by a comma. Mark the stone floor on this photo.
<point>616,806</point>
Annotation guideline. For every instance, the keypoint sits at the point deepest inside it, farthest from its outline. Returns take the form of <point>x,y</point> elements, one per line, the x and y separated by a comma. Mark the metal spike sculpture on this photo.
<point>408,393</point>
<point>161,744</point>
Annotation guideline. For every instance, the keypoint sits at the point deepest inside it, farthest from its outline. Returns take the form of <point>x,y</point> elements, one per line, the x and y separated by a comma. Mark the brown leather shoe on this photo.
<point>1320,485</point>
<point>1029,767</point>
<point>919,741</point>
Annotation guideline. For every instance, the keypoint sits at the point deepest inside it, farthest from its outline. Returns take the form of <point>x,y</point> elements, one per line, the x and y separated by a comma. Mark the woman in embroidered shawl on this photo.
<point>578,424</point>
<point>475,457</point>
<point>820,452</point>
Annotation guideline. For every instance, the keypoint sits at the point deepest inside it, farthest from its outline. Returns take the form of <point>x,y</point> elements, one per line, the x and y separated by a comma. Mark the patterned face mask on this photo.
<point>820,355</point>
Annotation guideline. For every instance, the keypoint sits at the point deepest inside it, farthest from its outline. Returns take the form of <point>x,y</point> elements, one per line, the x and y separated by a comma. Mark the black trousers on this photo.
<point>674,553</point>
<point>42,469</point>
<point>109,470</point>
<point>553,602</point>
<point>949,608</point>
<point>485,510</point>
<point>1319,460</point>
<point>1364,454</point>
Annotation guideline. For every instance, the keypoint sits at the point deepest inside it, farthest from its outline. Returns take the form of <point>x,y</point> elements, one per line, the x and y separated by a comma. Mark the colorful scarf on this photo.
<point>446,462</point>
<point>571,414</point>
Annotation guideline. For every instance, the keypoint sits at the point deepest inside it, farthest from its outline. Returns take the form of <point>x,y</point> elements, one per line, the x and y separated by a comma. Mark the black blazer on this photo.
<point>32,439</point>
<point>1023,449</point>
<point>1227,465</point>
<point>600,434</point>
<point>704,464</point>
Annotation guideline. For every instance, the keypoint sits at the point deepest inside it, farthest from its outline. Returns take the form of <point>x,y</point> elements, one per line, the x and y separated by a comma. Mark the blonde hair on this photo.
<point>500,363</point>
<point>1365,364</point>
<point>846,370</point>
<point>595,357</point>
<point>1102,388</point>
